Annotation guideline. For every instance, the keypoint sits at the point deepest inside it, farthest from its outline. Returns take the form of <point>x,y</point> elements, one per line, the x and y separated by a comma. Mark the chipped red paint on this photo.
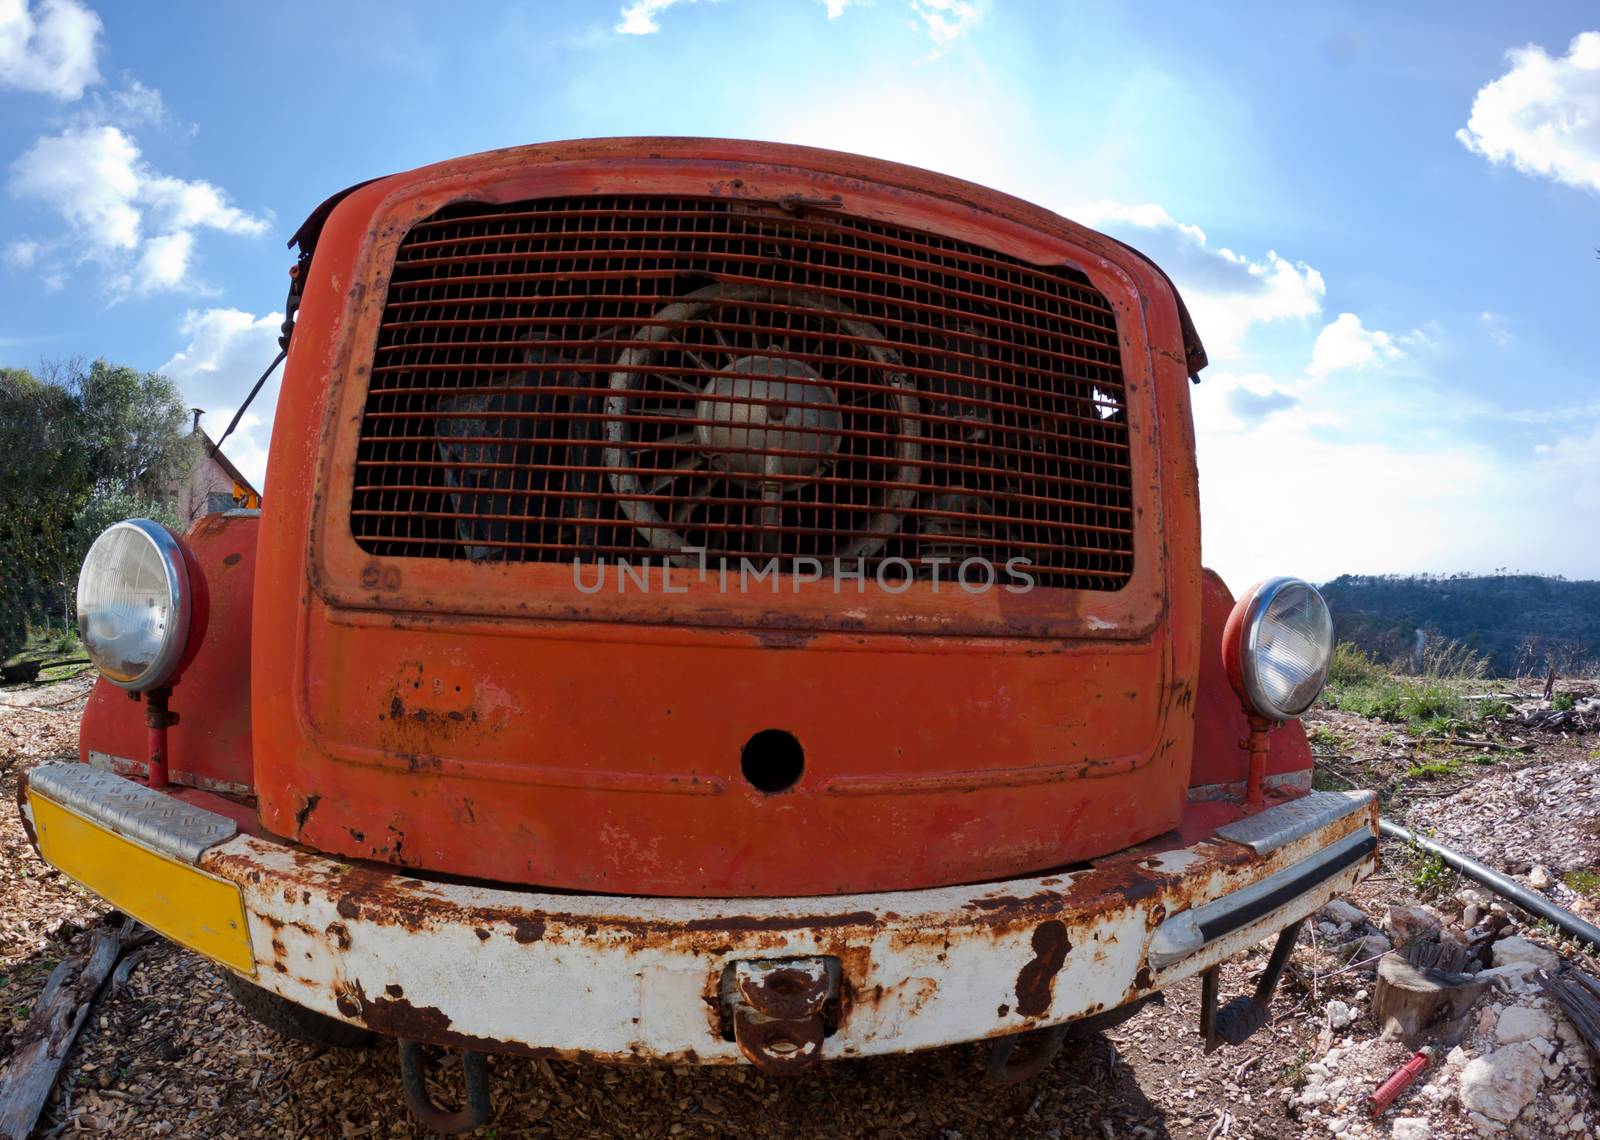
<point>442,742</point>
<point>211,748</point>
<point>490,721</point>
<point>1221,722</point>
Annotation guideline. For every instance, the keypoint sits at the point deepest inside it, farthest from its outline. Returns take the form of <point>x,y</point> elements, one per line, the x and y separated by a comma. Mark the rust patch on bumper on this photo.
<point>1050,947</point>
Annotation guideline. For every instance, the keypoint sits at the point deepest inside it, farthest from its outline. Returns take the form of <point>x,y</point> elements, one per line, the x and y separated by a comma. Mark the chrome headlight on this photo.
<point>133,604</point>
<point>1278,646</point>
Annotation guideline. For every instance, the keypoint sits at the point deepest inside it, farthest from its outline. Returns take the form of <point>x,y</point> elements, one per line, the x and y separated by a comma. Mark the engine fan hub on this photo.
<point>768,415</point>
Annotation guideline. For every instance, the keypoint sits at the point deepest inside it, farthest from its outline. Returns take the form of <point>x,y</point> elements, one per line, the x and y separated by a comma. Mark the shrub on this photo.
<point>1454,660</point>
<point>1351,666</point>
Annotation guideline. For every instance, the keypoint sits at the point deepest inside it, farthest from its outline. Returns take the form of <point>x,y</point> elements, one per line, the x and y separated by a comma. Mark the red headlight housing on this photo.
<point>1277,647</point>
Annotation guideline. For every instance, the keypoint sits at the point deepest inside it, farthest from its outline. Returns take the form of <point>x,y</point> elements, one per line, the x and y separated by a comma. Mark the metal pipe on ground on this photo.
<point>1530,901</point>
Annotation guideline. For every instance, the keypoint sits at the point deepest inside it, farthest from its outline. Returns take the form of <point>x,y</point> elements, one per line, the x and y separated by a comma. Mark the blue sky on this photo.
<point>1384,216</point>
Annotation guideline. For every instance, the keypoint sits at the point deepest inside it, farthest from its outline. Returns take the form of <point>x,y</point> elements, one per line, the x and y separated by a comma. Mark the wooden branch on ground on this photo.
<point>1576,993</point>
<point>64,1005</point>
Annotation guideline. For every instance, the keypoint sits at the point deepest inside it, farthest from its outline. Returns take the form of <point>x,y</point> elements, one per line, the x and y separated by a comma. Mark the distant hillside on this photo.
<point>1524,623</point>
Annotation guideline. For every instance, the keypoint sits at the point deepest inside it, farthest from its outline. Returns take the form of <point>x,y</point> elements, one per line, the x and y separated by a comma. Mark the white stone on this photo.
<point>1410,1128</point>
<point>1520,1023</point>
<point>1517,951</point>
<point>1340,1015</point>
<point>1513,977</point>
<point>1500,1085</point>
<point>1539,878</point>
<point>1338,910</point>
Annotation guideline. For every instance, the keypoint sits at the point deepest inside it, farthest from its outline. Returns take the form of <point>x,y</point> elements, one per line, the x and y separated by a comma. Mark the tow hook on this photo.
<point>777,1009</point>
<point>1039,1048</point>
<point>473,1115</point>
<point>1235,1022</point>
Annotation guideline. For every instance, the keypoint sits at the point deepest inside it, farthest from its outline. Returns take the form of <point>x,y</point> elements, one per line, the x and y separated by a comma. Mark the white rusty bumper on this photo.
<point>614,978</point>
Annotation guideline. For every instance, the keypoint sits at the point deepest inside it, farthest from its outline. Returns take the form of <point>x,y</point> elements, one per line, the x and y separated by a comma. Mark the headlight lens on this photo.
<point>1285,647</point>
<point>133,604</point>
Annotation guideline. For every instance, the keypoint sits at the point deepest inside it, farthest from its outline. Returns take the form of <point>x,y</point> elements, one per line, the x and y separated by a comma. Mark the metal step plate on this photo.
<point>159,822</point>
<point>1269,830</point>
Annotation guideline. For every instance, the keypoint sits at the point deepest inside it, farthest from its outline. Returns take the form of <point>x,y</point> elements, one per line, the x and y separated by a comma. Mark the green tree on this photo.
<point>135,431</point>
<point>79,448</point>
<point>43,484</point>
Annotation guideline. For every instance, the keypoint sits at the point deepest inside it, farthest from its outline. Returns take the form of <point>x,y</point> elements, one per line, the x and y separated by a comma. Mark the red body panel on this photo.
<point>1220,719</point>
<point>210,746</point>
<point>491,721</point>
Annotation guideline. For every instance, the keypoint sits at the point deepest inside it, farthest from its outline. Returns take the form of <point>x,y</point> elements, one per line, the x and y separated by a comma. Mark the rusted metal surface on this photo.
<point>544,390</point>
<point>1256,747</point>
<point>1244,1016</point>
<point>490,719</point>
<point>1050,945</point>
<point>787,990</point>
<point>158,718</point>
<point>1011,1065</point>
<point>1220,764</point>
<point>627,978</point>
<point>212,692</point>
<point>473,1114</point>
<point>778,1011</point>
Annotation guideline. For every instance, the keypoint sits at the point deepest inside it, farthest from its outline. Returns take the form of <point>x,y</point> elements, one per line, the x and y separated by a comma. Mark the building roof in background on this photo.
<point>213,452</point>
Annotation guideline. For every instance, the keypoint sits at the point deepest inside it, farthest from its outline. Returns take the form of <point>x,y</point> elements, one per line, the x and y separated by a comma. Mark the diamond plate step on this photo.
<point>157,821</point>
<point>1266,831</point>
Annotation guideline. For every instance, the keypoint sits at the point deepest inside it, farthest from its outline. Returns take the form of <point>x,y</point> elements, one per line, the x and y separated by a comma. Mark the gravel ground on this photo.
<point>169,1055</point>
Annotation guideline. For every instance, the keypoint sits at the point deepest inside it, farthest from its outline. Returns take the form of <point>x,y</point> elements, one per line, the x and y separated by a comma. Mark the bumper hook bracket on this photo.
<point>473,1115</point>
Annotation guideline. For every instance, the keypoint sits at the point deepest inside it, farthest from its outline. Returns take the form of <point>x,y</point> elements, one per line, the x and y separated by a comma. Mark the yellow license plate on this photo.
<point>190,907</point>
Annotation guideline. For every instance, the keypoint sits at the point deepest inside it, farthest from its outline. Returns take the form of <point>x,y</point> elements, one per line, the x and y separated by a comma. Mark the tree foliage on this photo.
<point>1520,623</point>
<point>80,447</point>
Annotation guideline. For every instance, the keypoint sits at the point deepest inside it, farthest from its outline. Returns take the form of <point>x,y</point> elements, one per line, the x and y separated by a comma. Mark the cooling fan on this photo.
<point>757,421</point>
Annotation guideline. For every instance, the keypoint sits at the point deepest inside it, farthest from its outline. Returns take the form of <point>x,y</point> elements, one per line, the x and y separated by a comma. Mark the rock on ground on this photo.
<point>1502,1083</point>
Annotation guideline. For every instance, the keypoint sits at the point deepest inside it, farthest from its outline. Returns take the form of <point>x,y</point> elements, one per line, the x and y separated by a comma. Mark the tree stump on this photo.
<point>1422,986</point>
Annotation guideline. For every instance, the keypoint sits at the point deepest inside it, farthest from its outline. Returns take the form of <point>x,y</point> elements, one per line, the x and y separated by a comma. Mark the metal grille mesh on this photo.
<point>646,378</point>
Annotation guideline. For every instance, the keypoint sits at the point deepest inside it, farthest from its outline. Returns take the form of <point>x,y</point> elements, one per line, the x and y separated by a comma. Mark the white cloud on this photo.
<point>1497,328</point>
<point>227,351</point>
<point>946,21</point>
<point>139,224</point>
<point>639,18</point>
<point>164,262</point>
<point>180,205</point>
<point>50,49</point>
<point>836,7</point>
<point>1347,344</point>
<point>1227,293</point>
<point>1543,115</point>
<point>21,254</point>
<point>91,177</point>
<point>133,105</point>
<point>1358,475</point>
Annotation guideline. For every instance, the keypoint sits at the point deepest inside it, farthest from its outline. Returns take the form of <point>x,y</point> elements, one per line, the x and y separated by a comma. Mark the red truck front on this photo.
<point>714,601</point>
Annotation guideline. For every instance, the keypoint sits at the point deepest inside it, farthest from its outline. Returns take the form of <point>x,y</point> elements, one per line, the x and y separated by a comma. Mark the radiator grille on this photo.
<point>646,378</point>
